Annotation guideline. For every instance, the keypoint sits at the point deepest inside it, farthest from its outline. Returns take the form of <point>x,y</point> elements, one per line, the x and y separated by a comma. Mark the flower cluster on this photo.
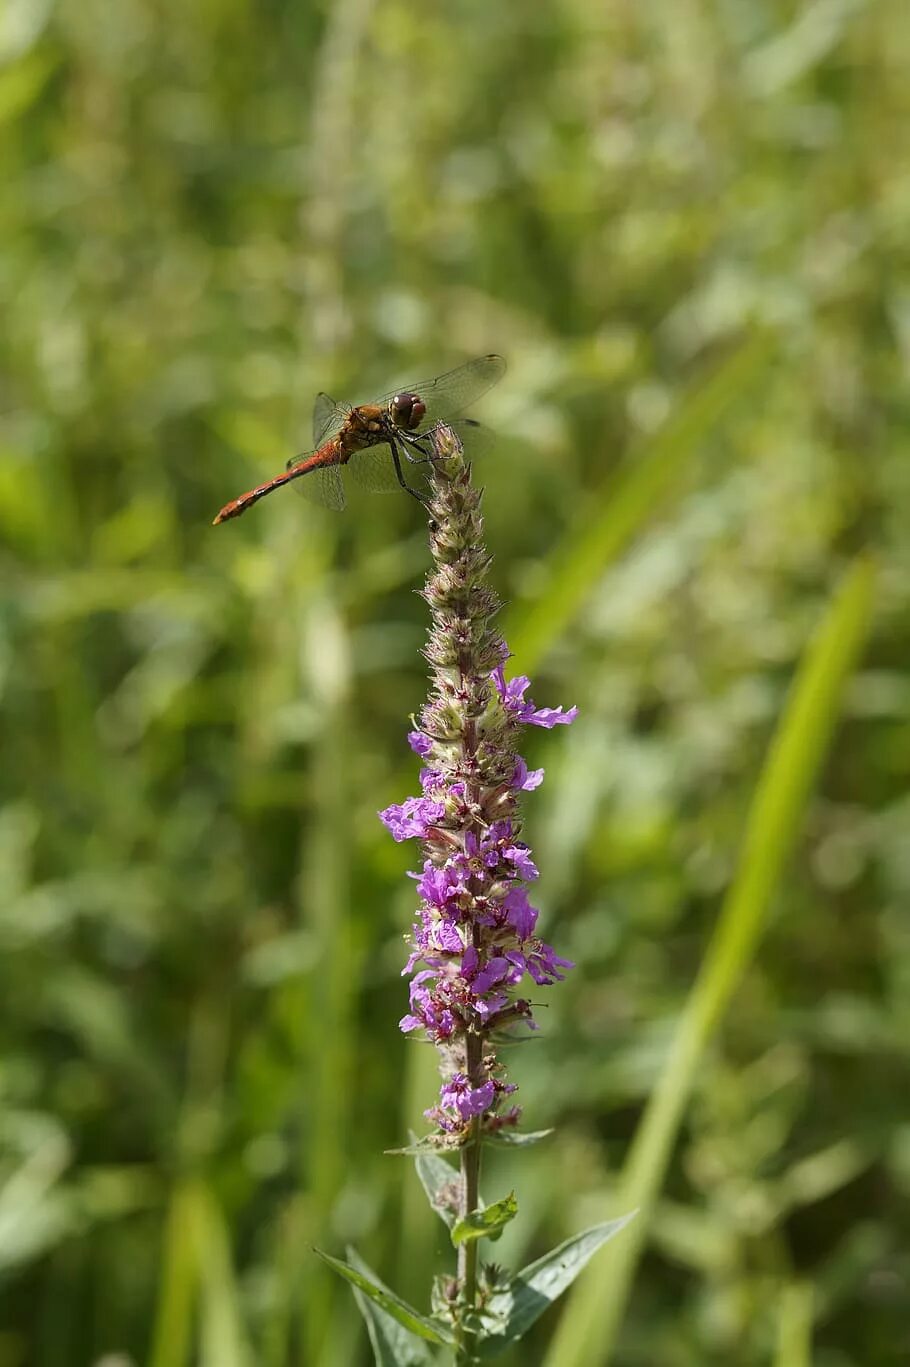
<point>474,940</point>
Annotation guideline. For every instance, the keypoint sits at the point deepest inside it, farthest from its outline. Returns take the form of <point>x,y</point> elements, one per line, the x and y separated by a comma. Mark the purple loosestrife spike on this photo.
<point>473,942</point>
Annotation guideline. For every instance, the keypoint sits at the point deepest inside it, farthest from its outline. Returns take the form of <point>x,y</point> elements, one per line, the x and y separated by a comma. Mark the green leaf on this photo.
<point>22,83</point>
<point>587,1330</point>
<point>393,1344</point>
<point>393,1305</point>
<point>539,1284</point>
<point>36,1210</point>
<point>442,1183</point>
<point>429,1144</point>
<point>487,1223</point>
<point>512,1139</point>
<point>506,1139</point>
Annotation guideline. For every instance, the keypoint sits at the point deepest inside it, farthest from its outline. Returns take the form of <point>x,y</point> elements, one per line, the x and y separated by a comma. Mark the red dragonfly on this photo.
<point>373,439</point>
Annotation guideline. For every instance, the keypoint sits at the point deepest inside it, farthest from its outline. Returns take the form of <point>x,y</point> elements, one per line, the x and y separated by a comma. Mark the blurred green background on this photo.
<point>686,227</point>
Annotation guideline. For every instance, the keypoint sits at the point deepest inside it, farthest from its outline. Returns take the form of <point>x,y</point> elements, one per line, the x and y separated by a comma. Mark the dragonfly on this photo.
<point>377,442</point>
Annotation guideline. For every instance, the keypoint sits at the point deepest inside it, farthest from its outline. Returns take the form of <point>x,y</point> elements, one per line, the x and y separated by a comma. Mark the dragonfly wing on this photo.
<point>476,439</point>
<point>322,484</point>
<point>327,418</point>
<point>451,393</point>
<point>373,469</point>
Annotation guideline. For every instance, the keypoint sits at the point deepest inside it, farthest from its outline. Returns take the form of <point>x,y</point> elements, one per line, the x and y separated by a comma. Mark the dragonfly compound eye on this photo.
<point>408,411</point>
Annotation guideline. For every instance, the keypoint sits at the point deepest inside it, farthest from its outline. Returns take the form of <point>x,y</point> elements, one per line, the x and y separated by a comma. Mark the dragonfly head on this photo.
<point>407,410</point>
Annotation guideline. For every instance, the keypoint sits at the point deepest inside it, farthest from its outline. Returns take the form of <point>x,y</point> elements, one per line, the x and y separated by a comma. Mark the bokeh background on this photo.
<point>686,227</point>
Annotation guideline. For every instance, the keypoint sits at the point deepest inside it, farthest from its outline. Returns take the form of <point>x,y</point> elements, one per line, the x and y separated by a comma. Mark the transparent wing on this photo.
<point>451,393</point>
<point>327,417</point>
<point>476,439</point>
<point>322,484</point>
<point>373,469</point>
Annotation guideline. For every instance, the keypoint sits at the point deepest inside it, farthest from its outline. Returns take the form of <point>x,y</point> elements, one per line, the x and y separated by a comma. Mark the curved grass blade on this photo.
<point>587,1332</point>
<point>625,505</point>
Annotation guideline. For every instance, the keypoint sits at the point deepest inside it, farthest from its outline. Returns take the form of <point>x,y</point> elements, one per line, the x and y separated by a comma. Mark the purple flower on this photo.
<point>440,936</point>
<point>426,1013</point>
<point>522,917</point>
<point>519,856</point>
<point>526,779</point>
<point>412,817</point>
<point>465,1099</point>
<point>490,976</point>
<point>430,780</point>
<point>544,965</point>
<point>513,699</point>
<point>419,743</point>
<point>439,886</point>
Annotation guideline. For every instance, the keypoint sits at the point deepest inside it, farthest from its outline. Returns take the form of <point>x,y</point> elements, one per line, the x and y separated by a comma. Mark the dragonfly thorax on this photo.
<point>407,410</point>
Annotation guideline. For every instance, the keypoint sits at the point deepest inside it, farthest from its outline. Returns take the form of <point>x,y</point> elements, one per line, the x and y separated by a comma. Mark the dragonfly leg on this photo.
<point>393,447</point>
<point>425,445</point>
<point>419,444</point>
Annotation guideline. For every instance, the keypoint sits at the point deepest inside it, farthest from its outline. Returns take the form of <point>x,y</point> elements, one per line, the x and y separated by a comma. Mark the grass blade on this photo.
<point>179,1284</point>
<point>624,507</point>
<point>587,1332</point>
<point>222,1337</point>
<point>198,1282</point>
<point>794,1327</point>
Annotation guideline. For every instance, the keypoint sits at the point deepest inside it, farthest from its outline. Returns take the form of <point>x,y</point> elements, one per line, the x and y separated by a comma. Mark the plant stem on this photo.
<point>470,1195</point>
<point>470,1198</point>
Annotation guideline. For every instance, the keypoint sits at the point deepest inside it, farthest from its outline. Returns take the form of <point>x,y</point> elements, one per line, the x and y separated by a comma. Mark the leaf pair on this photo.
<point>399,1333</point>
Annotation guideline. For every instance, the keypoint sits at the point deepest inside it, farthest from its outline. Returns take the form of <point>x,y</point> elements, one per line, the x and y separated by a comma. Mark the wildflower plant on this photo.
<point>475,955</point>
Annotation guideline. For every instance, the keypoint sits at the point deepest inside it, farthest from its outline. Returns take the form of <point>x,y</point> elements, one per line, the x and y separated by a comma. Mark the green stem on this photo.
<point>470,1196</point>
<point>470,1199</point>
